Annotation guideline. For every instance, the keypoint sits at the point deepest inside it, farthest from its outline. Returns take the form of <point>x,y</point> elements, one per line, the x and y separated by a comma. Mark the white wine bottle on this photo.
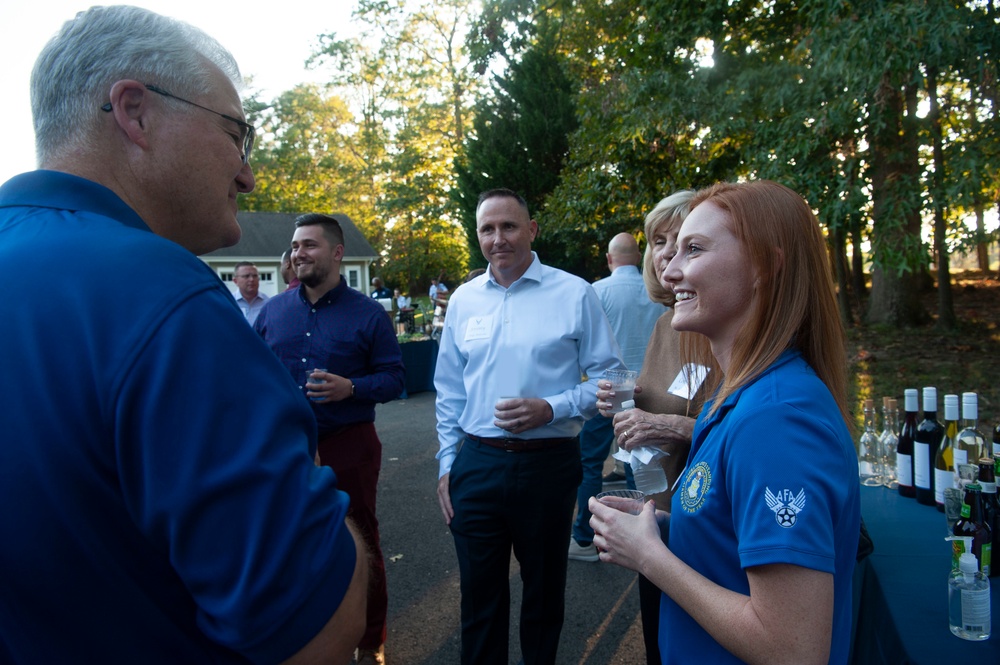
<point>944,461</point>
<point>971,444</point>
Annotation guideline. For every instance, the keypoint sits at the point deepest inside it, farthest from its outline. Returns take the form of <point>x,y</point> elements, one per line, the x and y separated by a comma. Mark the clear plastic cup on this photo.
<point>627,501</point>
<point>623,386</point>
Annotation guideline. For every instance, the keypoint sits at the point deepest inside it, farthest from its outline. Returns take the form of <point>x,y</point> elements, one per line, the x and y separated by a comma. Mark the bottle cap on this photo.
<point>951,407</point>
<point>970,406</point>
<point>930,398</point>
<point>910,397</point>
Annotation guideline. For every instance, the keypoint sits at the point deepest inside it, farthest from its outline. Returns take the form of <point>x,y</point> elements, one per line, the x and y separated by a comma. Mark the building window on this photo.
<point>353,278</point>
<point>226,276</point>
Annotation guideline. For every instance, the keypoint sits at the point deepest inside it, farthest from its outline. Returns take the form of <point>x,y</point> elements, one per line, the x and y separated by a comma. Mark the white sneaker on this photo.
<point>370,656</point>
<point>582,553</point>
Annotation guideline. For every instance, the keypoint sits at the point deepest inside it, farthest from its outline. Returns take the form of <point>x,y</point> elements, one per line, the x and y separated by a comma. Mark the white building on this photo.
<point>266,235</point>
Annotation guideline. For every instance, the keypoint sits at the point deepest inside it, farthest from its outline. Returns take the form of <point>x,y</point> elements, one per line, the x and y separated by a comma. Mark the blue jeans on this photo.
<point>595,444</point>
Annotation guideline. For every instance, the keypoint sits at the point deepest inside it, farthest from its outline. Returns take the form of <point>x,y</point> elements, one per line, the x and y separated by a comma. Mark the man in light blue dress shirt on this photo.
<point>632,316</point>
<point>521,352</point>
<point>248,295</point>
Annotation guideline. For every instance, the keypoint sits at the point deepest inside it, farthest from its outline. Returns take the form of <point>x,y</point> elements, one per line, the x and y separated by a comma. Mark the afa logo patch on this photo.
<point>785,505</point>
<point>697,482</point>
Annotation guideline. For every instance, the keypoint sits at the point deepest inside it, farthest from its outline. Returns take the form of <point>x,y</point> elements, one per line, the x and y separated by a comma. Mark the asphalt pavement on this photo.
<point>602,623</point>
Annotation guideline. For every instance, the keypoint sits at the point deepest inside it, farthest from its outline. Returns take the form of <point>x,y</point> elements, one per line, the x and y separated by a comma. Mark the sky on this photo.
<point>271,41</point>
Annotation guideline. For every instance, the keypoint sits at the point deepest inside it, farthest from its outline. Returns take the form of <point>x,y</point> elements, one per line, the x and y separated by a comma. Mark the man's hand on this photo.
<point>444,498</point>
<point>519,414</point>
<point>323,387</point>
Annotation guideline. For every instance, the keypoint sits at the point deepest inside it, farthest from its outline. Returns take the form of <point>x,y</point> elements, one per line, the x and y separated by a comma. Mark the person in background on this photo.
<point>250,299</point>
<point>288,271</point>
<point>404,313</point>
<point>763,531</point>
<point>632,316</point>
<point>439,306</point>
<point>510,404</point>
<point>379,289</point>
<point>339,346</point>
<point>170,511</point>
<point>432,292</point>
<point>668,395</point>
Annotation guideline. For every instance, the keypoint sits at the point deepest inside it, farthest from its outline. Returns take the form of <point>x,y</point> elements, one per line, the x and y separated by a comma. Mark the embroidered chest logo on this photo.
<point>697,482</point>
<point>785,505</point>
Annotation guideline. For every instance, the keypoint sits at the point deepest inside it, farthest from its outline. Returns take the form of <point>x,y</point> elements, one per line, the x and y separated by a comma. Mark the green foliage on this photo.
<point>596,110</point>
<point>304,159</point>
<point>519,141</point>
<point>822,96</point>
<point>407,84</point>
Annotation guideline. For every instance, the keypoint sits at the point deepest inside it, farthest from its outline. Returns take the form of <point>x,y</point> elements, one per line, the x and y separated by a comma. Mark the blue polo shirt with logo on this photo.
<point>160,499</point>
<point>772,477</point>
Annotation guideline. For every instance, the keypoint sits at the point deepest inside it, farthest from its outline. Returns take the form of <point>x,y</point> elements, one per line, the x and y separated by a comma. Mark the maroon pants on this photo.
<point>354,453</point>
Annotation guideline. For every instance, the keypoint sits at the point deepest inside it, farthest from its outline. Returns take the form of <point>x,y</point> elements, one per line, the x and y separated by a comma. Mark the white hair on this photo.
<point>73,74</point>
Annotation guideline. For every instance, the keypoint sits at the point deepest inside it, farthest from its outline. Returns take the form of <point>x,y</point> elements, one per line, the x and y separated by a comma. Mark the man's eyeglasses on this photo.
<point>247,132</point>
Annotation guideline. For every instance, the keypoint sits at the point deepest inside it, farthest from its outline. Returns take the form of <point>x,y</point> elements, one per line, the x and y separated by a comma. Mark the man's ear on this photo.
<point>130,108</point>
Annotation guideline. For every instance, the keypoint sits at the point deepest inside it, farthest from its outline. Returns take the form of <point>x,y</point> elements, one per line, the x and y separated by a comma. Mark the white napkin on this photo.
<point>644,454</point>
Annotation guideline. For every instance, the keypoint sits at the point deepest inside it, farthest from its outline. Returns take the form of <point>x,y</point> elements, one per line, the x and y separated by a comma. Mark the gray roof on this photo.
<point>270,233</point>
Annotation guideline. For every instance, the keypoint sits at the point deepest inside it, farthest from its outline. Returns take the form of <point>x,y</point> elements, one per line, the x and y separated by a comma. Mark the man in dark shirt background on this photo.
<point>340,348</point>
<point>379,289</point>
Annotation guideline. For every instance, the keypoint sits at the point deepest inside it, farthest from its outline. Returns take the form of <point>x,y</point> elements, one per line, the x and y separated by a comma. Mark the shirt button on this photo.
<point>308,334</point>
<point>303,360</point>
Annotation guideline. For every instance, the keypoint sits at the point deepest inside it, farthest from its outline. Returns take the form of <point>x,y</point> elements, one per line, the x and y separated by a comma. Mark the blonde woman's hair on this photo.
<point>667,216</point>
<point>793,304</point>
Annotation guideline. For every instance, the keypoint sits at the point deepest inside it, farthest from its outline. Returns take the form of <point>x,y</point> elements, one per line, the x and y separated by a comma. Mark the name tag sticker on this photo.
<point>479,327</point>
<point>688,381</point>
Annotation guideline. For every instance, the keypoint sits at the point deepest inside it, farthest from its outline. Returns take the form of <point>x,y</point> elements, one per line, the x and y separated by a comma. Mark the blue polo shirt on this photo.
<point>772,477</point>
<point>160,500</point>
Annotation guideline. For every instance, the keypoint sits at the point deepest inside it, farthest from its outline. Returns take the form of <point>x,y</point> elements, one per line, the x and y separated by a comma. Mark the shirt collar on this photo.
<point>63,191</point>
<point>533,273</point>
<point>787,356</point>
<point>327,298</point>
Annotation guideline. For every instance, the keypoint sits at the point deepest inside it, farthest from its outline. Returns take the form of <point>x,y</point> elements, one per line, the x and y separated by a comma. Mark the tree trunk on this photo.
<point>982,247</point>
<point>946,306</point>
<point>838,255</point>
<point>858,285</point>
<point>897,251</point>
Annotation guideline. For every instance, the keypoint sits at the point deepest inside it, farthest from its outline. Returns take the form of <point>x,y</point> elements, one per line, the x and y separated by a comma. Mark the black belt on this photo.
<point>520,445</point>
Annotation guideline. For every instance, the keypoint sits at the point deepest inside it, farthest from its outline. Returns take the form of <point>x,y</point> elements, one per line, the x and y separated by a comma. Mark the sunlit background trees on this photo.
<point>882,114</point>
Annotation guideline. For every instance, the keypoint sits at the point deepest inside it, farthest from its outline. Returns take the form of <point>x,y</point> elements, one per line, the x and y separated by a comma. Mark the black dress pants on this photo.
<point>520,501</point>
